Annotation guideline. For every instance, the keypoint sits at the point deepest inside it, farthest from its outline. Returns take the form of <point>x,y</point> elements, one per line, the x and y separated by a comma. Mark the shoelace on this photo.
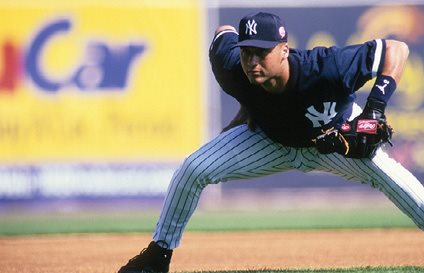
<point>136,256</point>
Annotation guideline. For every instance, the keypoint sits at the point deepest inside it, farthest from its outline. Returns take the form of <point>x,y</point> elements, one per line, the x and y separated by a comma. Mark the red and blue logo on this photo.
<point>105,67</point>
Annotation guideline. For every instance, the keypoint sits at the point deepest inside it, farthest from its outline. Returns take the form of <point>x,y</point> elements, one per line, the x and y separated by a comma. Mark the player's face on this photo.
<point>263,64</point>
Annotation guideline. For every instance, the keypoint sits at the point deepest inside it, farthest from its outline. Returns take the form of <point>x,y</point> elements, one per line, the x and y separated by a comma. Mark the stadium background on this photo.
<point>101,101</point>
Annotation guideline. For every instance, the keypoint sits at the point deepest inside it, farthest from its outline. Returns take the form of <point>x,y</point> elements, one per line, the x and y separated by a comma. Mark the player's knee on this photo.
<point>193,171</point>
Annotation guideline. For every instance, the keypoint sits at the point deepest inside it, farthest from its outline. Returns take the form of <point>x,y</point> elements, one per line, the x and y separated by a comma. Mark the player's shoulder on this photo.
<point>310,65</point>
<point>314,54</point>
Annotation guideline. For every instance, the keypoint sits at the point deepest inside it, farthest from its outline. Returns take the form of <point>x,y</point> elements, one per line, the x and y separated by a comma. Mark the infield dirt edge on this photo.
<point>215,251</point>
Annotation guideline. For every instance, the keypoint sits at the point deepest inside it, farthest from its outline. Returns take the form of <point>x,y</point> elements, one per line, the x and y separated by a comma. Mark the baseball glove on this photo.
<point>359,138</point>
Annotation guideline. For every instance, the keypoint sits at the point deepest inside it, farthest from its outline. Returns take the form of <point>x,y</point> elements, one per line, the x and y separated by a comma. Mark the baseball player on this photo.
<point>297,112</point>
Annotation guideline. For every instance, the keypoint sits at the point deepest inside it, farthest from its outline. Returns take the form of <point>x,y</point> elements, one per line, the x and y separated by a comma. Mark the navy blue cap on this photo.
<point>261,29</point>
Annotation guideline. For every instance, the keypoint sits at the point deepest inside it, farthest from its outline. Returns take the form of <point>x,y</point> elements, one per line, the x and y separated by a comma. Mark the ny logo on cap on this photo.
<point>251,27</point>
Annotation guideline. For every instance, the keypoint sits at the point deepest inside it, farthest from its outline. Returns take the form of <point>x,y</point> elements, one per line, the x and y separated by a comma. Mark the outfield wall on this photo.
<point>99,99</point>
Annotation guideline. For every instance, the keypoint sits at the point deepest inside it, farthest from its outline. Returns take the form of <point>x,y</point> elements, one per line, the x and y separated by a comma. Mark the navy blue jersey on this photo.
<point>319,94</point>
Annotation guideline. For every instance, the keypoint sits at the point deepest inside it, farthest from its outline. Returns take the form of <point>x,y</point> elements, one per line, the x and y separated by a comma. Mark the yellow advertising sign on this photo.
<point>83,82</point>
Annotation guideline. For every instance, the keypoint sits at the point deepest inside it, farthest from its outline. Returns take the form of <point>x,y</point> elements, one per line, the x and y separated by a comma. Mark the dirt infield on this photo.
<point>217,251</point>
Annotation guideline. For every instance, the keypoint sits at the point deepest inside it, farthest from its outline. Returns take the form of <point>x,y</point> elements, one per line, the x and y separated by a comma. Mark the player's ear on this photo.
<point>285,49</point>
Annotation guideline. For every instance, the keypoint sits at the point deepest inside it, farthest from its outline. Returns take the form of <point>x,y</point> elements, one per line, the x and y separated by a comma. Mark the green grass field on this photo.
<point>139,221</point>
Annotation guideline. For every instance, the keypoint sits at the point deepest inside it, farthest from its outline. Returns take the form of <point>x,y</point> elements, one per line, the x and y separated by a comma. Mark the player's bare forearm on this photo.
<point>395,59</point>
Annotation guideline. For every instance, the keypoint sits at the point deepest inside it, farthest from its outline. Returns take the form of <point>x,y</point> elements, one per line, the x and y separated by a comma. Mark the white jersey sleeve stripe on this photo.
<point>223,32</point>
<point>377,57</point>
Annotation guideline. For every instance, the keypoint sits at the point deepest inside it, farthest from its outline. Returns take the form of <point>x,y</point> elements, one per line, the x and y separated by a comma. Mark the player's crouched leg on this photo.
<point>400,186</point>
<point>203,167</point>
<point>209,164</point>
<point>184,191</point>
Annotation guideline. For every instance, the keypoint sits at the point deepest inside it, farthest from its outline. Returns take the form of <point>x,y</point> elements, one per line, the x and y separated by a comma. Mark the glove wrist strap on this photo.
<point>375,104</point>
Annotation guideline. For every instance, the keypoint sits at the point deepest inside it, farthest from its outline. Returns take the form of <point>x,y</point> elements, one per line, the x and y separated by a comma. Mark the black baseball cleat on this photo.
<point>153,259</point>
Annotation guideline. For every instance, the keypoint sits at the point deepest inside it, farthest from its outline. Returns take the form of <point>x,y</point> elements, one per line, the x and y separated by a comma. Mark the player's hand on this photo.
<point>374,110</point>
<point>369,131</point>
<point>365,135</point>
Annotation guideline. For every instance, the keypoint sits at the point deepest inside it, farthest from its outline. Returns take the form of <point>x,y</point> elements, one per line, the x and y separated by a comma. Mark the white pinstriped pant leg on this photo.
<point>400,186</point>
<point>381,172</point>
<point>235,154</point>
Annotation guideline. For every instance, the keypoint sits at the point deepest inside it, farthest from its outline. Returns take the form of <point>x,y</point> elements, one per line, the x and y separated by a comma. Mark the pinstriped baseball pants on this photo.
<point>242,154</point>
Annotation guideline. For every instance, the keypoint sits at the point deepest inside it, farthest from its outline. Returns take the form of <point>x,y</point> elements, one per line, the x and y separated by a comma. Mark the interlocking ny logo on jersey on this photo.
<point>325,117</point>
<point>251,27</point>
